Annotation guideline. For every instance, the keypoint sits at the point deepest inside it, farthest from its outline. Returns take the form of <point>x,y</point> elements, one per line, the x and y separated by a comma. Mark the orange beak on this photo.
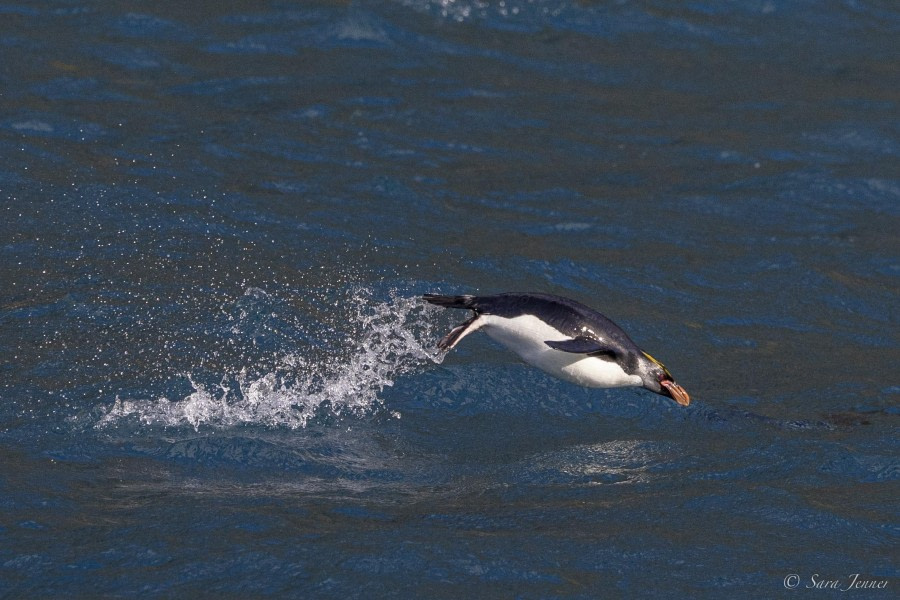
<point>677,392</point>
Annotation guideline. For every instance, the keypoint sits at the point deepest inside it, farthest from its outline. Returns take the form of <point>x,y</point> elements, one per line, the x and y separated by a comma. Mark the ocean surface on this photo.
<point>218,380</point>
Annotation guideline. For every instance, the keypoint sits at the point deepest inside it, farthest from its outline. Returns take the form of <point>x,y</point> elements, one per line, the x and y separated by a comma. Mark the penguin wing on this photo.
<point>583,345</point>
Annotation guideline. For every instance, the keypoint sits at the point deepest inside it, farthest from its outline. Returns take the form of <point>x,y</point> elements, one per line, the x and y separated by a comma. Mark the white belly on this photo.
<point>525,335</point>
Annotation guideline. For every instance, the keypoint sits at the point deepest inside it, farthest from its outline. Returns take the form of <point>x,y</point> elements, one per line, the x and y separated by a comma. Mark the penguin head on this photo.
<point>656,378</point>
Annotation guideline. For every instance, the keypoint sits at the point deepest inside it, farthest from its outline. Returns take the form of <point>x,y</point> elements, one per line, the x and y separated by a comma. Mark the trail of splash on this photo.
<point>390,339</point>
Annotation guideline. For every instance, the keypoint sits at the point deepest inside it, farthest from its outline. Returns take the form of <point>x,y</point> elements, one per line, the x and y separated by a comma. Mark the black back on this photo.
<point>567,316</point>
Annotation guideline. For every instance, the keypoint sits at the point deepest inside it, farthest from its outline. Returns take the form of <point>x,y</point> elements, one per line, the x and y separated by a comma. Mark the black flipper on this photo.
<point>582,345</point>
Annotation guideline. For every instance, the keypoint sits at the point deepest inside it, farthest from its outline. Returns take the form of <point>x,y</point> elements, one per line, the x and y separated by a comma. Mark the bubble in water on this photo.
<point>388,339</point>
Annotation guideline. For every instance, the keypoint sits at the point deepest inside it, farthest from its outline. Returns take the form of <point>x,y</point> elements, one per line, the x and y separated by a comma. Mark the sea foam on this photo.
<point>386,340</point>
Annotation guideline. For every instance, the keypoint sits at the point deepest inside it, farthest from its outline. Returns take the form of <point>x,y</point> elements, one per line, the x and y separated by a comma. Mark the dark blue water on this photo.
<point>215,221</point>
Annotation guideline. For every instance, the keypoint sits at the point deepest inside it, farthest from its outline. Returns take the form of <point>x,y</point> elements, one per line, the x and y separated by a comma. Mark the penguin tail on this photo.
<point>463,329</point>
<point>451,301</point>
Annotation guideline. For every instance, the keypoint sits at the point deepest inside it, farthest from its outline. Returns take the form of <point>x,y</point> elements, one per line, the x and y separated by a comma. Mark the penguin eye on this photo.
<point>660,365</point>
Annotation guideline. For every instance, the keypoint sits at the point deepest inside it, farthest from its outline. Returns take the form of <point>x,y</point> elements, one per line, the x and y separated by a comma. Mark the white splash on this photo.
<point>391,339</point>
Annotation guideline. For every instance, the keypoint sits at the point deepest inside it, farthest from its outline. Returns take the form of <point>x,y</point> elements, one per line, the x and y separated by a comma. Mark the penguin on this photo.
<point>561,337</point>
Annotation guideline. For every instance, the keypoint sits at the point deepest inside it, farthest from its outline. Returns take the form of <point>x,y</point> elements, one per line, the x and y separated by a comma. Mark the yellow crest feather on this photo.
<point>661,366</point>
